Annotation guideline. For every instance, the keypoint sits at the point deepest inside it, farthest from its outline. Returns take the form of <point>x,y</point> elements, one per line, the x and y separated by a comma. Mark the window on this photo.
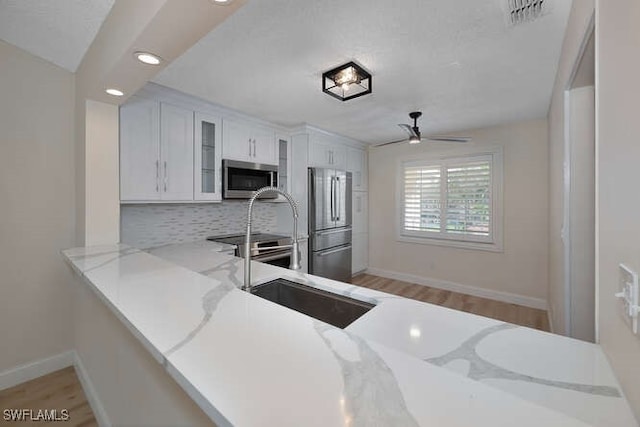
<point>453,201</point>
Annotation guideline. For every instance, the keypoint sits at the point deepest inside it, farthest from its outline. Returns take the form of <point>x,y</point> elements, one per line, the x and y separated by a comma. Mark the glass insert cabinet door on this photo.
<point>283,163</point>
<point>207,157</point>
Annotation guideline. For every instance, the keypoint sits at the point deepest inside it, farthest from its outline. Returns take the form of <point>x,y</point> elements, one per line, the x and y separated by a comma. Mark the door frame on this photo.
<point>566,200</point>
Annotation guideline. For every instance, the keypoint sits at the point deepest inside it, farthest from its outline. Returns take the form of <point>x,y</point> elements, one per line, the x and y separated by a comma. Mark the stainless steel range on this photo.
<point>264,247</point>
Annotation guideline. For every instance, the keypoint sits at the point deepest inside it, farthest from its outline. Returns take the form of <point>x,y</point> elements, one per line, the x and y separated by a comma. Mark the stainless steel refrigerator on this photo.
<point>330,223</point>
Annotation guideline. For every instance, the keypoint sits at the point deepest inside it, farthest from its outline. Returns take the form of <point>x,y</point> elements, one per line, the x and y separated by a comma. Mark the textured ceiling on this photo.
<point>457,61</point>
<point>59,31</point>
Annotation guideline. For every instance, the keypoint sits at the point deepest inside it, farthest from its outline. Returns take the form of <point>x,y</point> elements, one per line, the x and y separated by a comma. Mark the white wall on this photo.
<point>37,215</point>
<point>102,187</point>
<point>577,29</point>
<point>522,268</point>
<point>582,221</point>
<point>617,179</point>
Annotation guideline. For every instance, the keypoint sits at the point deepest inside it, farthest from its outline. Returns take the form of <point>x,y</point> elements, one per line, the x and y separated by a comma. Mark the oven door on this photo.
<point>277,258</point>
<point>242,179</point>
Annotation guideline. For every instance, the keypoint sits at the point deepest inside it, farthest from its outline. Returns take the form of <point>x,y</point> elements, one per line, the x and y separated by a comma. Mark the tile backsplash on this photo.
<point>146,226</point>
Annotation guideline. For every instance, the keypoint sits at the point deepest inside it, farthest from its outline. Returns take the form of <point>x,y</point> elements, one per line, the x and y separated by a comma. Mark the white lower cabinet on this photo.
<point>360,239</point>
<point>359,252</point>
<point>360,211</point>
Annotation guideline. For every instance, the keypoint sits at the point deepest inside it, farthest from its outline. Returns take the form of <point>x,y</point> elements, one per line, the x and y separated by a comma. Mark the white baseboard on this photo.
<point>90,392</point>
<point>38,368</point>
<point>550,320</point>
<point>463,289</point>
<point>35,369</point>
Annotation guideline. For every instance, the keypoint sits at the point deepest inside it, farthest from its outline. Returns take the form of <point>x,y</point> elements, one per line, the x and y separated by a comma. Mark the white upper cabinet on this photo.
<point>156,152</point>
<point>325,153</point>
<point>140,150</point>
<point>176,152</point>
<point>207,177</point>
<point>247,143</point>
<point>358,166</point>
<point>284,162</point>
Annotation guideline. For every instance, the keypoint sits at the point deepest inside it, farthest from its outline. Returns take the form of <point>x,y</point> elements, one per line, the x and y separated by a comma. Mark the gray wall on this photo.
<point>37,218</point>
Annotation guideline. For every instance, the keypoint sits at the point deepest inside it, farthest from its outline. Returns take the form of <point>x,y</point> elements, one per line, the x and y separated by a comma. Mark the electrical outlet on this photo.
<point>628,294</point>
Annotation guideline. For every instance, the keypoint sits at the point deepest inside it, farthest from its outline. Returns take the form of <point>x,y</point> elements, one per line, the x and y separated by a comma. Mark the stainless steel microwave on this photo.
<point>240,180</point>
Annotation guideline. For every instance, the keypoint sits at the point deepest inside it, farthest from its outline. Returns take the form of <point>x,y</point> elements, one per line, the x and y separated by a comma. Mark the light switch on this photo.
<point>628,294</point>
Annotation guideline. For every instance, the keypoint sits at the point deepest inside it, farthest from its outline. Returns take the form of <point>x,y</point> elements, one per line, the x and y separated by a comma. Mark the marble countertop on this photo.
<point>249,362</point>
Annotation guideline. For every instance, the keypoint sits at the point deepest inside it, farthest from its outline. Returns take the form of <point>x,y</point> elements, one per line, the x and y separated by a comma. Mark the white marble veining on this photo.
<point>247,361</point>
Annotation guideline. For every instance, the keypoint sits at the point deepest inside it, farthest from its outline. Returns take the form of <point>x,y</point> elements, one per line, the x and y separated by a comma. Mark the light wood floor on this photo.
<point>511,313</point>
<point>58,390</point>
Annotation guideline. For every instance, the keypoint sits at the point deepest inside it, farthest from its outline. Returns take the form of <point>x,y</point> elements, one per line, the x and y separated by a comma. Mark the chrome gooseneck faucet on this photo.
<point>295,253</point>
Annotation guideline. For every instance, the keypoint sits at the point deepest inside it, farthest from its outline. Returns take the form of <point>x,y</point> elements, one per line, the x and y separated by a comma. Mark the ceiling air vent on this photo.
<point>521,11</point>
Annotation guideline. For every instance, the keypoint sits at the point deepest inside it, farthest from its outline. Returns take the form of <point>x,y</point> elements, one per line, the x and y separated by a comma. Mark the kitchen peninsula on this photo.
<point>247,361</point>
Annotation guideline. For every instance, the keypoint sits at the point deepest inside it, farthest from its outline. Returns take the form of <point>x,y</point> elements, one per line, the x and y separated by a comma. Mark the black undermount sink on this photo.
<point>336,310</point>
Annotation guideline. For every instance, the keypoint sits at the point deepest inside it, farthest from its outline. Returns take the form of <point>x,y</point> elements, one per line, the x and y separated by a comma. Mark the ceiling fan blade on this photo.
<point>461,139</point>
<point>409,130</point>
<point>392,142</point>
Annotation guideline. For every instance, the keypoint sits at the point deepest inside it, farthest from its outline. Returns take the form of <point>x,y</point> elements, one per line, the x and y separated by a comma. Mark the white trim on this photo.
<point>495,242</point>
<point>550,320</point>
<point>38,368</point>
<point>90,392</point>
<point>565,232</point>
<point>29,371</point>
<point>463,289</point>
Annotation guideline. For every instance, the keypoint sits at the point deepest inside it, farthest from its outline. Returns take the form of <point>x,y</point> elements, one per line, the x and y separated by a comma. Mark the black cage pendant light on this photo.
<point>347,81</point>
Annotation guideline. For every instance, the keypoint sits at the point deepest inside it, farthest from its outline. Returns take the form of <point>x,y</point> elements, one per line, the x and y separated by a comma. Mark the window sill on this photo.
<point>477,246</point>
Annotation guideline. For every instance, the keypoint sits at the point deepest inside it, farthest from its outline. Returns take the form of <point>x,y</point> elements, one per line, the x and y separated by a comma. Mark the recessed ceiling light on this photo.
<point>221,1</point>
<point>114,92</point>
<point>147,58</point>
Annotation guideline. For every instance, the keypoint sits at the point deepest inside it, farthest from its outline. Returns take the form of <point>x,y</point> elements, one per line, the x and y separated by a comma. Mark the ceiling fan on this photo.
<point>415,136</point>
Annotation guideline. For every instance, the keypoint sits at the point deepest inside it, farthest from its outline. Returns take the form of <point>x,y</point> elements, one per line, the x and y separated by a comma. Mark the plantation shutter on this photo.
<point>422,198</point>
<point>450,198</point>
<point>469,198</point>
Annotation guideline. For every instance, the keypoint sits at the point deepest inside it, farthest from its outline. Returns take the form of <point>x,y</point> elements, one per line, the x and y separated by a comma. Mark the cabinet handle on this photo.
<point>249,147</point>
<point>165,176</point>
<point>157,175</point>
<point>254,147</point>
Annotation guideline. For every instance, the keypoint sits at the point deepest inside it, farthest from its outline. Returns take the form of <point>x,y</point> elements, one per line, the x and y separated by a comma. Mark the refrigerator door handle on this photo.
<point>332,197</point>
<point>339,230</point>
<point>338,199</point>
<point>333,251</point>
